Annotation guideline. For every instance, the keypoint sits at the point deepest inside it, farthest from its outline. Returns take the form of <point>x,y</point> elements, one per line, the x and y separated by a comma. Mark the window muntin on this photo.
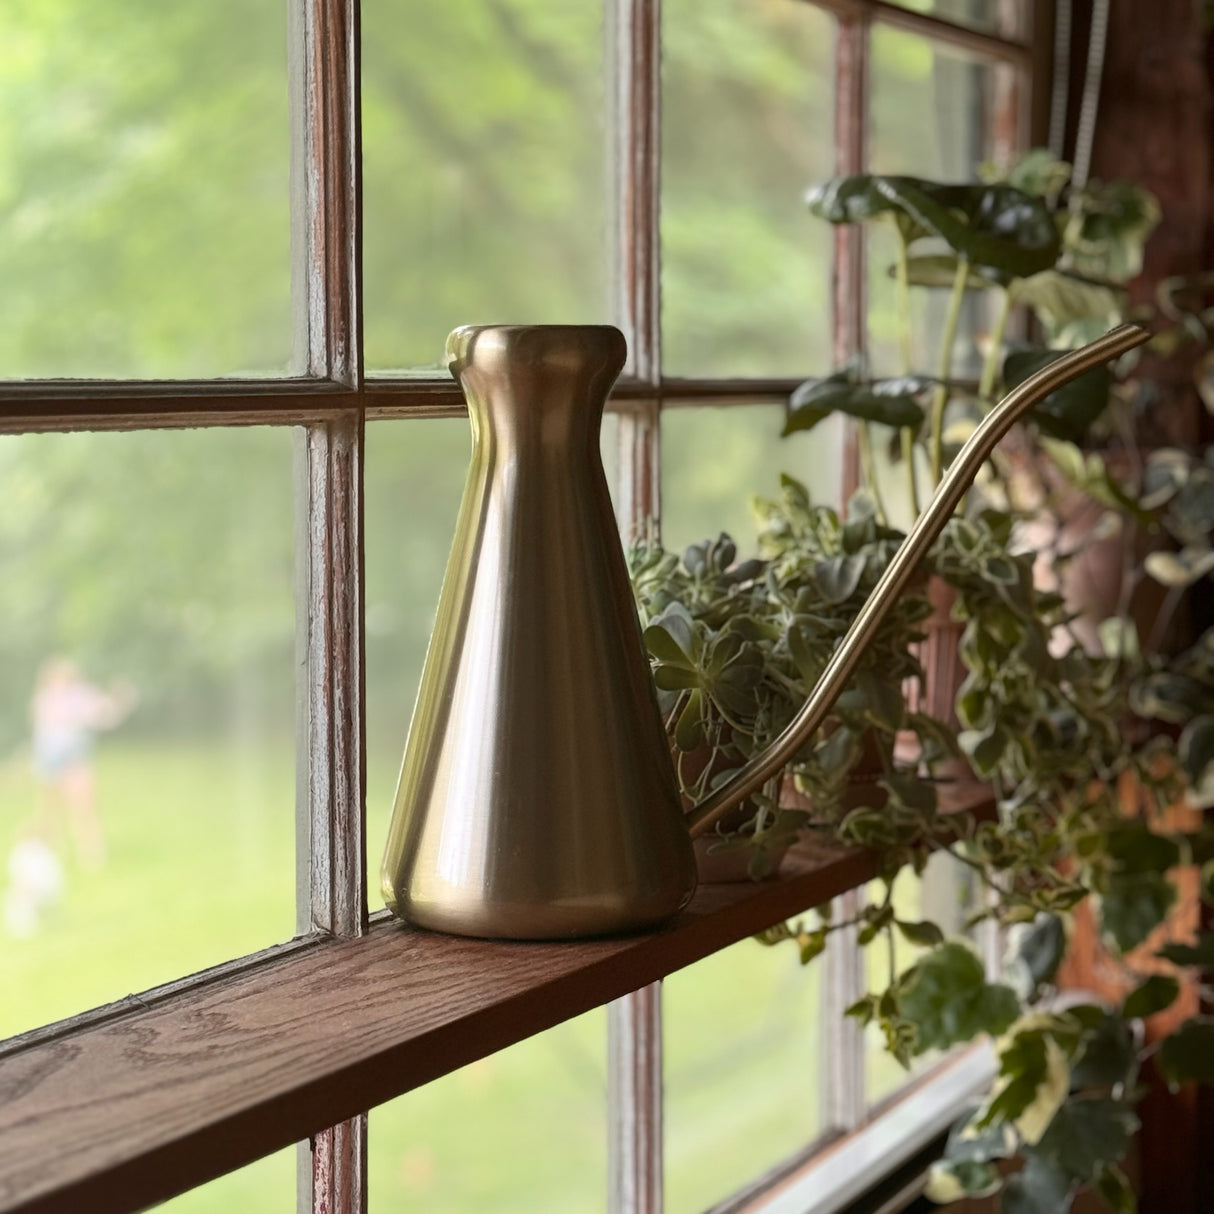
<point>327,248</point>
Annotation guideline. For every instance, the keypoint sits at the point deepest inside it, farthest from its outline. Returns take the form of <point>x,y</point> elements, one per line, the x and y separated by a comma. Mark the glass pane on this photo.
<point>933,113</point>
<point>715,460</point>
<point>740,1045</point>
<point>414,477</point>
<point>144,195</point>
<point>932,108</point>
<point>267,1186</point>
<point>523,1131</point>
<point>747,127</point>
<point>992,16</point>
<point>485,179</point>
<point>147,786</point>
<point>947,896</point>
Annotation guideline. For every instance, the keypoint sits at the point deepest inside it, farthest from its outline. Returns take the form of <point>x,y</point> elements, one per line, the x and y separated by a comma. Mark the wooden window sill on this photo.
<point>120,1109</point>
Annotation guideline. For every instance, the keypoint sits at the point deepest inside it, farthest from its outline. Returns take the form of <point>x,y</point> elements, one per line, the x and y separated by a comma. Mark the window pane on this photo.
<point>714,460</point>
<point>740,1051</point>
<point>933,114</point>
<point>947,896</point>
<point>144,202</point>
<point>747,127</point>
<point>992,16</point>
<point>267,1187</point>
<point>414,477</point>
<point>932,108</point>
<point>485,179</point>
<point>147,721</point>
<point>523,1131</point>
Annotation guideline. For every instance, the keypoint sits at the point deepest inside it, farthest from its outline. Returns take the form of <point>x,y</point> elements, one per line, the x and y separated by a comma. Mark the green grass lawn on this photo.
<point>201,869</point>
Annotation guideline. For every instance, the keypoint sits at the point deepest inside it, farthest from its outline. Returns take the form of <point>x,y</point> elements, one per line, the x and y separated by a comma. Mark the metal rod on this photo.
<point>901,568</point>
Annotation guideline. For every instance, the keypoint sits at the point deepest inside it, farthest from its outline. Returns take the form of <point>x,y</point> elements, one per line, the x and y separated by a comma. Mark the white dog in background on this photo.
<point>36,881</point>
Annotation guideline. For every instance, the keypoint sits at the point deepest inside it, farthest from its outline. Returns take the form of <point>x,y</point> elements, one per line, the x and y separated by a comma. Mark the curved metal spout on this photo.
<point>948,495</point>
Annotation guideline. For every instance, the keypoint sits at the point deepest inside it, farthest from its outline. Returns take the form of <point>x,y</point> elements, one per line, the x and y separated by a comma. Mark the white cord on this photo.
<point>1086,131</point>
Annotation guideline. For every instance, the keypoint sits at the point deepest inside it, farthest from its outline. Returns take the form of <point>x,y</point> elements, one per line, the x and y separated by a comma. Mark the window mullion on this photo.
<point>326,283</point>
<point>634,1039</point>
<point>634,1050</point>
<point>326,189</point>
<point>842,1041</point>
<point>843,1095</point>
<point>848,329</point>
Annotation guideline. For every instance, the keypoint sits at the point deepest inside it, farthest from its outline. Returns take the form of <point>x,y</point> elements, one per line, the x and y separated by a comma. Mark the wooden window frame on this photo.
<point>289,1054</point>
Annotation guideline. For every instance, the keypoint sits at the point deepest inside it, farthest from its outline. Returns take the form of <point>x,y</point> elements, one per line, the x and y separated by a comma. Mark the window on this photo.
<point>232,244</point>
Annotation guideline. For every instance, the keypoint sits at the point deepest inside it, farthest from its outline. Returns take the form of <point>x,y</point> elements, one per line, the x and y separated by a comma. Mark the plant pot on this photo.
<point>943,672</point>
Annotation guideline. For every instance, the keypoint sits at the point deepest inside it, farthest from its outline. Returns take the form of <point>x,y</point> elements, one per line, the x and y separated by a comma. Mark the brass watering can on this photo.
<point>537,798</point>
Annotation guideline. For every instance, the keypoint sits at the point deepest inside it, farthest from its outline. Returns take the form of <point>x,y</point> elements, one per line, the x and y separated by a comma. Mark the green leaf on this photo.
<point>675,678</point>
<point>1039,1188</point>
<point>891,402</point>
<point>1188,1054</point>
<point>1086,1135</point>
<point>1134,905</point>
<point>1068,412</point>
<point>1200,954</point>
<point>1107,1053</point>
<point>1156,993</point>
<point>1115,1189</point>
<point>839,577</point>
<point>1038,946</point>
<point>923,934</point>
<point>1062,300</point>
<point>993,225</point>
<point>1195,751</point>
<point>940,270</point>
<point>968,1140</point>
<point>864,1009</point>
<point>948,999</point>
<point>689,729</point>
<point>1033,1082</point>
<point>950,1180</point>
<point>811,945</point>
<point>1183,568</point>
<point>909,791</point>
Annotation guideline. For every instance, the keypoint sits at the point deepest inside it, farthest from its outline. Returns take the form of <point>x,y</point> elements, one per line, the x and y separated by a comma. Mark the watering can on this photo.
<point>537,798</point>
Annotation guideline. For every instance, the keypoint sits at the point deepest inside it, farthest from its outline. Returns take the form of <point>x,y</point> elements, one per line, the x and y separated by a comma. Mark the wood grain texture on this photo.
<point>116,1116</point>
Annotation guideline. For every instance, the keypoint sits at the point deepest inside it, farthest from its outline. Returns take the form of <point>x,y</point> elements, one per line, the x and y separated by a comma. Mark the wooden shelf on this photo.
<point>112,1113</point>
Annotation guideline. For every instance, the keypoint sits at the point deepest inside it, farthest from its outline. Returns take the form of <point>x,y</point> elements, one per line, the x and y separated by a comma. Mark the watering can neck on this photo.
<point>539,369</point>
<point>750,778</point>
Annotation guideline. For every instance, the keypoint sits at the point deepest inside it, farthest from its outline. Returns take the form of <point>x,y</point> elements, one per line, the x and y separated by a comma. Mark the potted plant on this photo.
<point>736,648</point>
<point>1074,740</point>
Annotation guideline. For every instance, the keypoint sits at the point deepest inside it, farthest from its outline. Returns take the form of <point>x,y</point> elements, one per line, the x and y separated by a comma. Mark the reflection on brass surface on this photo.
<point>537,799</point>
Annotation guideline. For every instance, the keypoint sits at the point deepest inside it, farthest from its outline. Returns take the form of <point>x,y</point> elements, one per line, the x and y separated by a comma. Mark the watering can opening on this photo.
<point>537,798</point>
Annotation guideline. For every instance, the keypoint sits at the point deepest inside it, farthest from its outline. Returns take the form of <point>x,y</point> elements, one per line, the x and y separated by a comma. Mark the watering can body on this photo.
<point>537,798</point>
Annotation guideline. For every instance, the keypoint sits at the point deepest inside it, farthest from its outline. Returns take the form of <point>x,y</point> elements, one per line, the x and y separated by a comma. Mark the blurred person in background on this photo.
<point>66,714</point>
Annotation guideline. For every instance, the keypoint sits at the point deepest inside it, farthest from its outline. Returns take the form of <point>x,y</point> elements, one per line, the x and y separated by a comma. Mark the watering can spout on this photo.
<point>960,475</point>
<point>537,798</point>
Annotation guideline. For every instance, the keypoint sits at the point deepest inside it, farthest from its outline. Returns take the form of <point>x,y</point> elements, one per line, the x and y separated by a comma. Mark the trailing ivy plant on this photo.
<point>1067,740</point>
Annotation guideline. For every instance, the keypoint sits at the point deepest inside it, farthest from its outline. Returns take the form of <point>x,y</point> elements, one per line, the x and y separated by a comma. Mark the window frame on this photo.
<point>330,401</point>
